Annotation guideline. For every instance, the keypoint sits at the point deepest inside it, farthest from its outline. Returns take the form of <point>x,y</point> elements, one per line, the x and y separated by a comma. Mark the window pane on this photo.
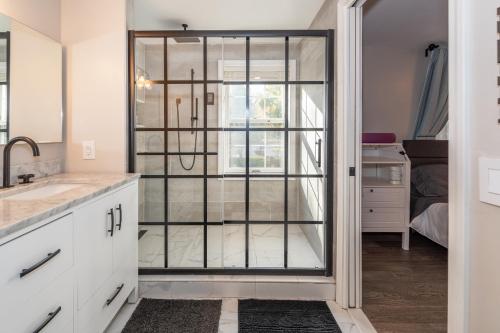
<point>185,200</point>
<point>150,165</point>
<point>267,197</point>
<point>305,246</point>
<point>151,200</point>
<point>151,246</point>
<point>305,199</point>
<point>267,105</point>
<point>307,58</point>
<point>266,248</point>
<point>235,150</point>
<point>307,106</point>
<point>234,199</point>
<point>149,59</point>
<point>185,246</point>
<point>236,106</point>
<point>267,151</point>
<point>150,142</point>
<point>149,106</point>
<point>185,57</point>
<point>267,59</point>
<point>235,53</point>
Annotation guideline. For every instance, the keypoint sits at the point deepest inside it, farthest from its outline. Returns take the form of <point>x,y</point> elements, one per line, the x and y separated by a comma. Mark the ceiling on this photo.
<point>223,14</point>
<point>405,24</point>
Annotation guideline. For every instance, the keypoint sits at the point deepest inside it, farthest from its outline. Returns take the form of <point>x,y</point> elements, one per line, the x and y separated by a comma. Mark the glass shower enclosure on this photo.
<point>231,132</point>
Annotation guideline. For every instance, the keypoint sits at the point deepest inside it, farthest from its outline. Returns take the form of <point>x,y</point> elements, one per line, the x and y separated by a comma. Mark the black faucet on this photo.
<point>6,156</point>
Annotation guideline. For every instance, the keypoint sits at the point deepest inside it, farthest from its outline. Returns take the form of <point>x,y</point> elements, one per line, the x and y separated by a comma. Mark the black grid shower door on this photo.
<point>192,200</point>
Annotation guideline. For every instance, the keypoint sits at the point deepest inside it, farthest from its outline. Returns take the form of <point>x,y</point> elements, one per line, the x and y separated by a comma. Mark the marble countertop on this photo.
<point>18,214</point>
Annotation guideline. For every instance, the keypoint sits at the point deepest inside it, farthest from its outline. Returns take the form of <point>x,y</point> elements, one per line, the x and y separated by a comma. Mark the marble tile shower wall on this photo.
<point>226,199</point>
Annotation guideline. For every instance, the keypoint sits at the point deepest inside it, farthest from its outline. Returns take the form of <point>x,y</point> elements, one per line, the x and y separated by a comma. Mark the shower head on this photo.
<point>186,40</point>
<point>178,100</point>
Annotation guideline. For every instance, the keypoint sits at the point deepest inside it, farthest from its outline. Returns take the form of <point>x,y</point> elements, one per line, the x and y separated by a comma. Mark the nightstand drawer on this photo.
<point>394,197</point>
<point>382,217</point>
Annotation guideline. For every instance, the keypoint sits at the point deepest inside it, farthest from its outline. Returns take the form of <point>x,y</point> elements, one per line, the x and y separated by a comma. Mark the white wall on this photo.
<point>484,136</point>
<point>395,36</point>
<point>43,16</point>
<point>94,35</point>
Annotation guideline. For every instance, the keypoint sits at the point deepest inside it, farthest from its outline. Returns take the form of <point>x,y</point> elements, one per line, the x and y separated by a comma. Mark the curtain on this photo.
<point>433,107</point>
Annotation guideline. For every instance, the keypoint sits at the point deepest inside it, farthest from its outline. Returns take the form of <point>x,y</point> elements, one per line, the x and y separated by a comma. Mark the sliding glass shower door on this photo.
<point>229,132</point>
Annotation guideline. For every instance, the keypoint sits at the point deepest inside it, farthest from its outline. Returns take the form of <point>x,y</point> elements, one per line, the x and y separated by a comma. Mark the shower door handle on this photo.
<point>318,145</point>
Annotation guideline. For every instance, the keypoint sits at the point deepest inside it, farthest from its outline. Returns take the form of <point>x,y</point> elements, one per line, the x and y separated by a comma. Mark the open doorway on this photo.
<point>404,161</point>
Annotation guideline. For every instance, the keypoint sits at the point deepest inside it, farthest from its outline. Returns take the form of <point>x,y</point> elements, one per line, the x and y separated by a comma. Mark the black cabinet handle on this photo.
<point>39,264</point>
<point>371,210</point>
<point>112,298</point>
<point>51,316</point>
<point>318,144</point>
<point>371,191</point>
<point>119,208</point>
<point>112,214</point>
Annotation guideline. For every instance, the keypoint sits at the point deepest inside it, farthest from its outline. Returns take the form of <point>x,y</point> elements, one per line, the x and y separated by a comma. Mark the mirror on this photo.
<point>30,84</point>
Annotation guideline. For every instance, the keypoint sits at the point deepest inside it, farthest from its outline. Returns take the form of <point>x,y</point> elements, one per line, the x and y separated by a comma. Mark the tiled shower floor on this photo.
<point>185,245</point>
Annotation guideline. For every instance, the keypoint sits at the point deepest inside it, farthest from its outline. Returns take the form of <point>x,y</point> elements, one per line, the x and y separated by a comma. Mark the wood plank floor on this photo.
<point>404,291</point>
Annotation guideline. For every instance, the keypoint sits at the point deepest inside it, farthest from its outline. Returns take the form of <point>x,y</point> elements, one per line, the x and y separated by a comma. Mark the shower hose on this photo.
<point>187,168</point>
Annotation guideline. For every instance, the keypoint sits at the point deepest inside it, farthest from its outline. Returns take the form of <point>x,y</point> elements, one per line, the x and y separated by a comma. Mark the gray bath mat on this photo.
<point>175,316</point>
<point>258,316</point>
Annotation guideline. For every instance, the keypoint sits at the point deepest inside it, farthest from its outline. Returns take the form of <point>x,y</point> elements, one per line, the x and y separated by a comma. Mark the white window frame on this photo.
<point>240,65</point>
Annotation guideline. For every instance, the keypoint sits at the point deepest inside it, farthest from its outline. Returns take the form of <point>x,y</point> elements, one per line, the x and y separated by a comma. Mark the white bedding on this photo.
<point>433,223</point>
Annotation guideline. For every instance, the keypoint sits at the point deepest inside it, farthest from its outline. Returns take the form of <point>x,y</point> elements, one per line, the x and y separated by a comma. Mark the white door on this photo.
<point>125,205</point>
<point>95,246</point>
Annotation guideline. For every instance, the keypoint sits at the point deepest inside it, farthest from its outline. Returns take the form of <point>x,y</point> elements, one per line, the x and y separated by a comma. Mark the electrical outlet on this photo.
<point>88,148</point>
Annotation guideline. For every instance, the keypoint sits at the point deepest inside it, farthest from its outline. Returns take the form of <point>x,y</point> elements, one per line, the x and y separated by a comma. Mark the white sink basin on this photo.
<point>43,192</point>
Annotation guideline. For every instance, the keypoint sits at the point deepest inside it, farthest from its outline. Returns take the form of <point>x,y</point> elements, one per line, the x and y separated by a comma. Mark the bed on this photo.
<point>429,188</point>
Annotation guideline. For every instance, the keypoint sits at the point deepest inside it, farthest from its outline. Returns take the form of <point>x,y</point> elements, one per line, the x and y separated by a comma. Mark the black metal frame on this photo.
<point>6,36</point>
<point>328,174</point>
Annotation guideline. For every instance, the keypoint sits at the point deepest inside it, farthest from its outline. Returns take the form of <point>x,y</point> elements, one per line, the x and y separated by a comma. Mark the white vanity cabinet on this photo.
<point>106,256</point>
<point>72,272</point>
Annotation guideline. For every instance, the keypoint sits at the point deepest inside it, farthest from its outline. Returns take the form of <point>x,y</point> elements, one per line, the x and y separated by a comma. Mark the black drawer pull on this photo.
<point>372,190</point>
<point>119,208</point>
<point>371,210</point>
<point>110,300</point>
<point>39,264</point>
<point>112,229</point>
<point>51,316</point>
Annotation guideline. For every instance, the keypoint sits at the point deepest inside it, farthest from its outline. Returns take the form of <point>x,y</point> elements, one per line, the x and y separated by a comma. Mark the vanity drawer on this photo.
<point>393,197</point>
<point>383,217</point>
<point>52,308</point>
<point>101,308</point>
<point>33,261</point>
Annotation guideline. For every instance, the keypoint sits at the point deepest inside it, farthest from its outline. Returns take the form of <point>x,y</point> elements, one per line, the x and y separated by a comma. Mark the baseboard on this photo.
<point>216,286</point>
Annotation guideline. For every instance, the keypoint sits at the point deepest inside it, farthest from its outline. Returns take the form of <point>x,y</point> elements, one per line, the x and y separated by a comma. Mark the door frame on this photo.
<point>348,226</point>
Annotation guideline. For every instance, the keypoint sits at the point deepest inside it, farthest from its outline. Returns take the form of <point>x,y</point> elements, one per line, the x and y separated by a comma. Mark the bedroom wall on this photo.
<point>395,36</point>
<point>483,134</point>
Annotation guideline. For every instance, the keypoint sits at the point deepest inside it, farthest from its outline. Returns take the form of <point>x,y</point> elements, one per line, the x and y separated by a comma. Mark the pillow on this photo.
<point>430,180</point>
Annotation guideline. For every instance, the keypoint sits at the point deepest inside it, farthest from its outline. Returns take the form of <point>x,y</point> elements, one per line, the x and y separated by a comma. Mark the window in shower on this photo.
<point>240,183</point>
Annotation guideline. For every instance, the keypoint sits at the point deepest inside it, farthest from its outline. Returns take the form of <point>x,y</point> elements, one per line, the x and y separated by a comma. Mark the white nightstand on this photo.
<point>386,190</point>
